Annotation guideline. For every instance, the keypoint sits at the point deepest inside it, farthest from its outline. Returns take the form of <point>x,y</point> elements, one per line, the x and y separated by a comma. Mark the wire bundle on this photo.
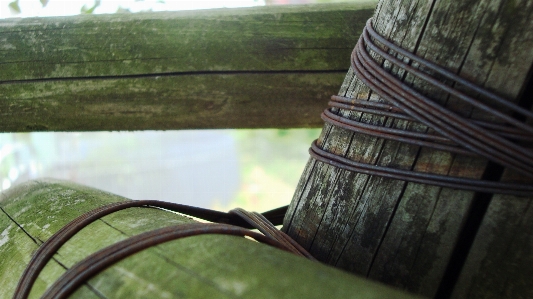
<point>456,134</point>
<point>234,223</point>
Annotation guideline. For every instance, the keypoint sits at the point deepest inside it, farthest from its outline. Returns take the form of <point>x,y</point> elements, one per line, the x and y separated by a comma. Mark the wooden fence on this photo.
<point>268,67</point>
<point>276,67</point>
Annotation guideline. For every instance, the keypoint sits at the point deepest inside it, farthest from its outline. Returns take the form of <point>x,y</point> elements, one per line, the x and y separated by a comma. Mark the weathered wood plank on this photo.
<point>208,266</point>
<point>499,262</point>
<point>401,233</point>
<point>69,73</point>
<point>499,265</point>
<point>165,103</point>
<point>274,38</point>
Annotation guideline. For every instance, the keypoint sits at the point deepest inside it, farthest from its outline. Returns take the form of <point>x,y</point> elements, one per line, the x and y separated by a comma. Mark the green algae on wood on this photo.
<point>175,70</point>
<point>208,266</point>
<point>166,103</point>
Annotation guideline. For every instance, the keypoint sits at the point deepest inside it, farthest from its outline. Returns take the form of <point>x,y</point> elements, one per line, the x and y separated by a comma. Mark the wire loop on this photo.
<point>451,132</point>
<point>233,223</point>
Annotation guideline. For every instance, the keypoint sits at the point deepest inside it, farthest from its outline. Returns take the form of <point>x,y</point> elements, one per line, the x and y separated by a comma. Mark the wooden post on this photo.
<point>418,236</point>
<point>266,67</point>
<point>206,266</point>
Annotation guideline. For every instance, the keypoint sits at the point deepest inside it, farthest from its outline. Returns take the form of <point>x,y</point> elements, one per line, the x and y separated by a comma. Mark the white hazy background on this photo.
<point>34,8</point>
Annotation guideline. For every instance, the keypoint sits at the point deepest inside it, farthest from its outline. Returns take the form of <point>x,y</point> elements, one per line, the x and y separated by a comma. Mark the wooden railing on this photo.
<point>276,67</point>
<point>267,67</point>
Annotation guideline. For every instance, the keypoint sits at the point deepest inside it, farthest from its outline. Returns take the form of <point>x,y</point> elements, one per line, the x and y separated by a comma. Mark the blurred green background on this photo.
<point>222,169</point>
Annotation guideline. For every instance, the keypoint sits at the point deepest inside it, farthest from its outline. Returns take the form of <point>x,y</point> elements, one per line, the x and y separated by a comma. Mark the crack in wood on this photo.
<point>35,240</point>
<point>159,252</point>
<point>174,74</point>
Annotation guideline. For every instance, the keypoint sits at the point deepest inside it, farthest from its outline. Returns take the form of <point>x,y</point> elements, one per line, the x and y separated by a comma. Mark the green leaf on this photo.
<point>85,10</point>
<point>90,10</point>
<point>14,7</point>
<point>44,2</point>
<point>122,10</point>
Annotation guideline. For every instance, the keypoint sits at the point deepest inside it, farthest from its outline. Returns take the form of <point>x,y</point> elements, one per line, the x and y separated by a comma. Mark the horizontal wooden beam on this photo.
<point>206,266</point>
<point>266,67</point>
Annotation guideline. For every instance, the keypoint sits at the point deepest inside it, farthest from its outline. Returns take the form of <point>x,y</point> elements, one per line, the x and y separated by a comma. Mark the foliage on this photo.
<point>90,10</point>
<point>271,164</point>
<point>14,7</point>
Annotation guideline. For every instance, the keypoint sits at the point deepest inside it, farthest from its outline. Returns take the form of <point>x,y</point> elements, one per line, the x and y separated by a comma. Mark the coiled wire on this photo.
<point>456,134</point>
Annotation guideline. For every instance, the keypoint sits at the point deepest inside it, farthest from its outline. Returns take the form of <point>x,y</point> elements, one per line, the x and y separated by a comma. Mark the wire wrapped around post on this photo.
<point>456,134</point>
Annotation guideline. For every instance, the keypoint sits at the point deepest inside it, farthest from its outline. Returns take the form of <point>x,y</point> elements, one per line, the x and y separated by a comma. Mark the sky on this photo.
<point>34,8</point>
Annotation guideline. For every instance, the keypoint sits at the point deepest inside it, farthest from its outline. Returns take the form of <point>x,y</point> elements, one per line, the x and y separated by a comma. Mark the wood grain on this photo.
<point>406,234</point>
<point>174,70</point>
<point>206,266</point>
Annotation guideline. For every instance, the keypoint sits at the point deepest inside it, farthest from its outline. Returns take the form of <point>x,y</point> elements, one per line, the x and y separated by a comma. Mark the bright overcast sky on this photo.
<point>33,8</point>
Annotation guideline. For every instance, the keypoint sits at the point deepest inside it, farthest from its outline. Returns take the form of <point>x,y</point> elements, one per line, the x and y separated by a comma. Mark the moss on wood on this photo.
<point>208,266</point>
<point>159,71</point>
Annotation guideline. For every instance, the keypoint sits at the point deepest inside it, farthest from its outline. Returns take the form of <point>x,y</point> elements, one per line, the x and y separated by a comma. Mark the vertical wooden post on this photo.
<point>418,236</point>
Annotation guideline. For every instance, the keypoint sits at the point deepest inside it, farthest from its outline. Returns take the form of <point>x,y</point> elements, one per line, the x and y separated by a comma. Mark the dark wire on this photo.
<point>452,132</point>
